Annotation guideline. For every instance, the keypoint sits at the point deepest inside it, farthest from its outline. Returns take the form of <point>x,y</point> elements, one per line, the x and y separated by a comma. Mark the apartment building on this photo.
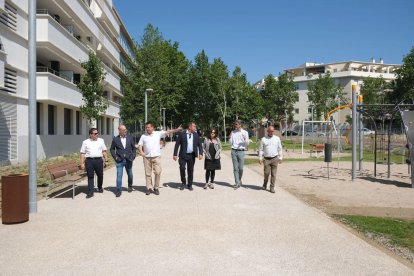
<point>66,31</point>
<point>343,73</point>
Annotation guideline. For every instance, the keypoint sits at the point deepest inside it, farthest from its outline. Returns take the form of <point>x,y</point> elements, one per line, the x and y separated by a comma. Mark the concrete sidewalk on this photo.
<point>202,232</point>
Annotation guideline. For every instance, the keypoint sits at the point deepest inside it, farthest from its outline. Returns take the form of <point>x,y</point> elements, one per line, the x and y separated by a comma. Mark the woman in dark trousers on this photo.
<point>212,149</point>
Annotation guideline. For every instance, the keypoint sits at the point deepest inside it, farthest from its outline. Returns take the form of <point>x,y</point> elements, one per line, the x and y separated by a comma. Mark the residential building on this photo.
<point>66,31</point>
<point>343,73</point>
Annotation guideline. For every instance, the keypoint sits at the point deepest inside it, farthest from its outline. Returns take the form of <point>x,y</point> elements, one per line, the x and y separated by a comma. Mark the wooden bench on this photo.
<point>315,148</point>
<point>65,172</point>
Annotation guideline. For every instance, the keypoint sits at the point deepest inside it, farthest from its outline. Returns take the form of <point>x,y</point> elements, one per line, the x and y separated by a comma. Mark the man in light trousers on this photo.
<point>239,141</point>
<point>270,154</point>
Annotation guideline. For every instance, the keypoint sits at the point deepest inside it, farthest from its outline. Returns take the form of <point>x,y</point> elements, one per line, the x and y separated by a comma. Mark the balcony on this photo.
<point>107,18</point>
<point>112,79</point>
<point>51,33</point>
<point>53,88</point>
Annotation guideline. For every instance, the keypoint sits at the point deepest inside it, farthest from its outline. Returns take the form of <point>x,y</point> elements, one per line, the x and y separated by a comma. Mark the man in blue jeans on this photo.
<point>124,152</point>
<point>239,140</point>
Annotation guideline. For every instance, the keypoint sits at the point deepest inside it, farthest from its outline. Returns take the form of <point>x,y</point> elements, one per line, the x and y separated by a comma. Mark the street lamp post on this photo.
<point>146,103</point>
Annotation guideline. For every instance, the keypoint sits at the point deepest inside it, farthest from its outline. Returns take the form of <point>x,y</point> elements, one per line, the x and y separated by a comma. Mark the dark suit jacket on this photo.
<point>181,143</point>
<point>119,153</point>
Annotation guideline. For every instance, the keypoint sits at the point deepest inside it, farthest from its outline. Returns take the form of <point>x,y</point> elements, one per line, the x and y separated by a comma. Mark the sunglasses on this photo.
<point>95,133</point>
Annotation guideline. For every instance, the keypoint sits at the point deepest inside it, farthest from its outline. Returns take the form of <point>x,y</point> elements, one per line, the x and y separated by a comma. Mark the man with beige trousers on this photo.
<point>149,148</point>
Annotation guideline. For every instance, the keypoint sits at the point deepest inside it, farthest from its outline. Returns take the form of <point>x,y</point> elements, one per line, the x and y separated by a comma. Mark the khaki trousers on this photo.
<point>150,164</point>
<point>270,167</point>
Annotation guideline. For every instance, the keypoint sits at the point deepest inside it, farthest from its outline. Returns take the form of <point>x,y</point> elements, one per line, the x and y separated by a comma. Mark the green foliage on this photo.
<point>157,64</point>
<point>323,94</point>
<point>403,85</point>
<point>91,88</point>
<point>374,90</point>
<point>279,96</point>
<point>399,232</point>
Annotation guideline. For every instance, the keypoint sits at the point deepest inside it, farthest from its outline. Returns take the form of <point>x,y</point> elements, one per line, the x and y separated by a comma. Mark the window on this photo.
<point>51,119</point>
<point>309,110</point>
<point>108,126</point>
<point>39,118</point>
<point>9,17</point>
<point>297,110</point>
<point>67,117</point>
<point>78,123</point>
<point>10,80</point>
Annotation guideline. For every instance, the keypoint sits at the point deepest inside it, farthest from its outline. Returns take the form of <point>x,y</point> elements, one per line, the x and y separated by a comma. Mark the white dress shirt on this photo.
<point>190,142</point>
<point>239,139</point>
<point>123,141</point>
<point>270,147</point>
<point>93,148</point>
<point>151,143</point>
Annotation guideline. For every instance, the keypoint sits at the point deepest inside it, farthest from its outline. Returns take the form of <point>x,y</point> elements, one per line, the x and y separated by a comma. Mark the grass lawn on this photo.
<point>398,232</point>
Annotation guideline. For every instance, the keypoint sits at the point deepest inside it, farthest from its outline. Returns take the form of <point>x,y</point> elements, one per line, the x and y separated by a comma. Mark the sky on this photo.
<point>269,36</point>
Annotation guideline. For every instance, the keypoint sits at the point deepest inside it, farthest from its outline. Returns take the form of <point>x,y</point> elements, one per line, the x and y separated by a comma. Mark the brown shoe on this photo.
<point>156,191</point>
<point>149,191</point>
<point>264,187</point>
<point>272,190</point>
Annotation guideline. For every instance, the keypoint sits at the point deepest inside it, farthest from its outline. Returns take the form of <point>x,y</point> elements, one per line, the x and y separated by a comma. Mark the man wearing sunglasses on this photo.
<point>93,157</point>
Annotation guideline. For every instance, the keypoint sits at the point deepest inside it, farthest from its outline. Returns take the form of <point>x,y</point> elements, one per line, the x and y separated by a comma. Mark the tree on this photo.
<point>203,109</point>
<point>91,88</point>
<point>323,94</point>
<point>404,82</point>
<point>279,96</point>
<point>374,90</point>
<point>157,64</point>
<point>220,89</point>
<point>238,87</point>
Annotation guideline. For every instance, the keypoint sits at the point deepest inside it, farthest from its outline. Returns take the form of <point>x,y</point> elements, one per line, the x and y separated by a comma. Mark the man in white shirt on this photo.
<point>271,154</point>
<point>91,154</point>
<point>239,141</point>
<point>149,148</point>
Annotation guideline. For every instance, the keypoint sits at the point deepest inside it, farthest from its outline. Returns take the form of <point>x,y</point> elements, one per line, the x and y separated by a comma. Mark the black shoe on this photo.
<point>149,191</point>
<point>129,189</point>
<point>190,188</point>
<point>182,187</point>
<point>272,190</point>
<point>100,190</point>
<point>118,194</point>
<point>264,187</point>
<point>156,191</point>
<point>89,195</point>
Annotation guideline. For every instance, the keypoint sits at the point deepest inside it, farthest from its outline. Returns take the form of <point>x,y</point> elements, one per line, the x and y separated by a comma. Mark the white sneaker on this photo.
<point>211,185</point>
<point>206,186</point>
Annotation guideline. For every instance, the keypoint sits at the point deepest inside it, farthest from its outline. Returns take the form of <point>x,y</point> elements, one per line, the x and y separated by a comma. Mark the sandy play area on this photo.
<point>367,195</point>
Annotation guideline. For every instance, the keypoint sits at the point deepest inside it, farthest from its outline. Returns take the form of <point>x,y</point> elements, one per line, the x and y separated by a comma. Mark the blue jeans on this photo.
<point>128,168</point>
<point>238,163</point>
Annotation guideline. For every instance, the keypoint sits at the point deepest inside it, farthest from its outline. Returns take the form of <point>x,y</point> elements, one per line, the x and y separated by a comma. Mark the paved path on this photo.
<point>203,232</point>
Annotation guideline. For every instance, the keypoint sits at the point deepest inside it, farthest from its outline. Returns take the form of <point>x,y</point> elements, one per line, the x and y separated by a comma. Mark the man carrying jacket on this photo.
<point>124,152</point>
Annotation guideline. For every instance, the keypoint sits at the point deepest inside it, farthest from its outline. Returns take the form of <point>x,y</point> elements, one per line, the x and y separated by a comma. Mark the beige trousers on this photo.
<point>150,164</point>
<point>270,168</point>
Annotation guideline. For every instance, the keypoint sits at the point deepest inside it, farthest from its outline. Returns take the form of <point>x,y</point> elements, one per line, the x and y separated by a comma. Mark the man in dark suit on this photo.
<point>190,147</point>
<point>123,151</point>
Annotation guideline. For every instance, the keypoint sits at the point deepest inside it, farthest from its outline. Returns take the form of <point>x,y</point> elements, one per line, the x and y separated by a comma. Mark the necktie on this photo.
<point>189,137</point>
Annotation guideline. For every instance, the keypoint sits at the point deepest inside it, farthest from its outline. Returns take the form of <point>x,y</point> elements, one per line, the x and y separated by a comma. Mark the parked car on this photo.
<point>367,131</point>
<point>315,133</point>
<point>290,133</point>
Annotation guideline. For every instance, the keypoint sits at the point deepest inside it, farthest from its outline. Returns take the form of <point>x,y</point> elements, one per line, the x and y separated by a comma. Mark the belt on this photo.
<point>270,158</point>
<point>93,157</point>
<point>238,149</point>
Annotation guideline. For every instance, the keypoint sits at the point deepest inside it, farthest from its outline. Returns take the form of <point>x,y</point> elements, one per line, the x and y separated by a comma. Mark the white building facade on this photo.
<point>66,31</point>
<point>344,74</point>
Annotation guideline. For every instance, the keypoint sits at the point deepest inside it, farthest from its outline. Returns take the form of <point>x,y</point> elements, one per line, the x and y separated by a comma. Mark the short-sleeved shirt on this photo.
<point>151,143</point>
<point>93,148</point>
